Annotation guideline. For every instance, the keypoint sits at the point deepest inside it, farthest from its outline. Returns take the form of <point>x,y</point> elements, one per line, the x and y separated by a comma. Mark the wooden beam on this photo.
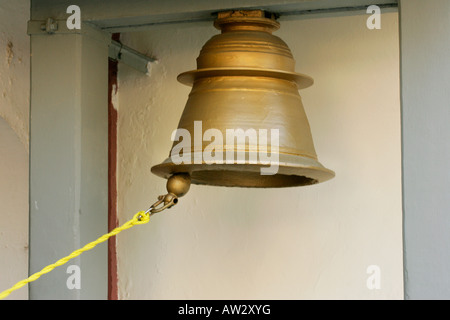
<point>120,16</point>
<point>112,176</point>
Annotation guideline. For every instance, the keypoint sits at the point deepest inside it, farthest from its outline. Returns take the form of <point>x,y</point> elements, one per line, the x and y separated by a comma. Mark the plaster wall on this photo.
<point>14,117</point>
<point>15,66</point>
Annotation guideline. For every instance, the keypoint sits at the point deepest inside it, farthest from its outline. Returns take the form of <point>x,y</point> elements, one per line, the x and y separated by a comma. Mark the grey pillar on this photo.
<point>425,90</point>
<point>68,159</point>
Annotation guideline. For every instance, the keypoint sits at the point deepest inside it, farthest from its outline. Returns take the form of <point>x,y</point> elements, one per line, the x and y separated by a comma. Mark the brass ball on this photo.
<point>178,184</point>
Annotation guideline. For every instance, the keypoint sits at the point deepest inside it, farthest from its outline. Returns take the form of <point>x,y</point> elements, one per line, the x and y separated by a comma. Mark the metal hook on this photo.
<point>167,201</point>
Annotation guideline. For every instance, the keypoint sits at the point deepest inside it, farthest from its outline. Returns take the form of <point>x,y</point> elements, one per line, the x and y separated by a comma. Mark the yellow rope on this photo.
<point>139,218</point>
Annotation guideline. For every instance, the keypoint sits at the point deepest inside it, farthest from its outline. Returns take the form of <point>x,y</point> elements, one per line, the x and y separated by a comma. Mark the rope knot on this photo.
<point>141,217</point>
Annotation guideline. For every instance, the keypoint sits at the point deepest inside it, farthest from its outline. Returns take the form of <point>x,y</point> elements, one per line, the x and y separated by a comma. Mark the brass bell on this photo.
<point>244,123</point>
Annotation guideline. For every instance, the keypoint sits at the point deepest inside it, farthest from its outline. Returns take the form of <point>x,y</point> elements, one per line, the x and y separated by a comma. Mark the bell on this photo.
<point>244,124</point>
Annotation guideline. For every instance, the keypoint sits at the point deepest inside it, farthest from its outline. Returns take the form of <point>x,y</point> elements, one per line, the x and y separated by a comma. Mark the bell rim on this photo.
<point>315,170</point>
<point>302,80</point>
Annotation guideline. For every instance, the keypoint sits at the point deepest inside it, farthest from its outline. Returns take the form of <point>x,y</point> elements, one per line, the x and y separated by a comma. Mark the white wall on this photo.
<point>313,242</point>
<point>69,161</point>
<point>425,31</point>
<point>14,115</point>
